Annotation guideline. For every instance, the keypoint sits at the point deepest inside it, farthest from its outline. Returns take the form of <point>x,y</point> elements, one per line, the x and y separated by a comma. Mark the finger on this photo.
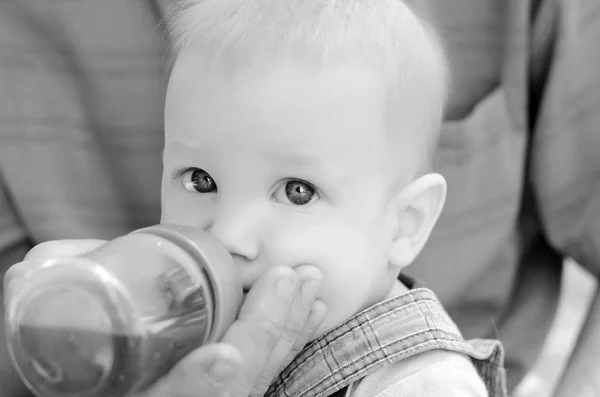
<point>65,248</point>
<point>310,280</point>
<point>260,324</point>
<point>207,371</point>
<point>49,249</point>
<point>315,318</point>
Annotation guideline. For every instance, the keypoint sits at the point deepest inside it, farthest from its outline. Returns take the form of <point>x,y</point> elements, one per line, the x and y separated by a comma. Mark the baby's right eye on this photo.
<point>196,179</point>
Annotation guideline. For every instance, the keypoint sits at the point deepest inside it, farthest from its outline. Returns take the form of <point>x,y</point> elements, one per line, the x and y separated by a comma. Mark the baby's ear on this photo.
<point>418,208</point>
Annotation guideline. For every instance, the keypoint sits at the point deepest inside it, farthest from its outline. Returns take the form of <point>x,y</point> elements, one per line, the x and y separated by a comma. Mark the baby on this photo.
<point>300,132</point>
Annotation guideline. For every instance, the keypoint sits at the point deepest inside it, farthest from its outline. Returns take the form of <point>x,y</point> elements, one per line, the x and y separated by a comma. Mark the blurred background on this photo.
<point>578,287</point>
<point>81,105</point>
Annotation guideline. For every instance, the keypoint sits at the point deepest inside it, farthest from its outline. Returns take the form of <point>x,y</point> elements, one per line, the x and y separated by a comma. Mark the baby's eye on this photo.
<point>196,179</point>
<point>296,192</point>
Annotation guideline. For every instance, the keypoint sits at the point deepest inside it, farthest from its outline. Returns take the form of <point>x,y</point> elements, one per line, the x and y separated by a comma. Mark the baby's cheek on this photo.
<point>340,253</point>
<point>341,299</point>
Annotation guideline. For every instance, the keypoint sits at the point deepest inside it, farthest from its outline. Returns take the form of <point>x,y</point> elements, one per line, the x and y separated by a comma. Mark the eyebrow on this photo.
<point>301,158</point>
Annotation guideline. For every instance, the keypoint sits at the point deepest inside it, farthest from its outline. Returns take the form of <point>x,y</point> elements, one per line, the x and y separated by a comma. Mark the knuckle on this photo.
<point>294,327</point>
<point>268,331</point>
<point>291,332</point>
<point>289,339</point>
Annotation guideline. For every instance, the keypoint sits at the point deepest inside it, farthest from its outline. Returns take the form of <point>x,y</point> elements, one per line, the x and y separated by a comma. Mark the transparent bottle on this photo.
<point>111,322</point>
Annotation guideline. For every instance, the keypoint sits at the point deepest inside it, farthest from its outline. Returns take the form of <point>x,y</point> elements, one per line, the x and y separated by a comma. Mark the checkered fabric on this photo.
<point>410,324</point>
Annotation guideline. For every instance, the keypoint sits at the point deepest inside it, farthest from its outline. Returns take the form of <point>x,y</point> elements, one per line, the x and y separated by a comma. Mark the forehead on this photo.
<point>284,104</point>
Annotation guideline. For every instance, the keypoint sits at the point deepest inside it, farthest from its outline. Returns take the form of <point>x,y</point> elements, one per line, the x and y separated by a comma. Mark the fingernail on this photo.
<point>221,370</point>
<point>309,291</point>
<point>286,286</point>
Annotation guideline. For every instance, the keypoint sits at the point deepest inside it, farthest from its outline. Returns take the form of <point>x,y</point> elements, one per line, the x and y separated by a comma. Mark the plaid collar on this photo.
<point>388,332</point>
<point>385,333</point>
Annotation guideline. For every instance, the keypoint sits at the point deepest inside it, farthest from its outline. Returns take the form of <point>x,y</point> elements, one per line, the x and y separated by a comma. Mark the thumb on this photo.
<point>49,249</point>
<point>63,248</point>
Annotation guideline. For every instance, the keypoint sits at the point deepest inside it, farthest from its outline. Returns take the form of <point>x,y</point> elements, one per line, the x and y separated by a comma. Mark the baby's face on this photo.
<point>285,168</point>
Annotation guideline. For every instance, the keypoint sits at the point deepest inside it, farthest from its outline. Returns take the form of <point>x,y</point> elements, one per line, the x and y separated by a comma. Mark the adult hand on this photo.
<point>276,320</point>
<point>278,317</point>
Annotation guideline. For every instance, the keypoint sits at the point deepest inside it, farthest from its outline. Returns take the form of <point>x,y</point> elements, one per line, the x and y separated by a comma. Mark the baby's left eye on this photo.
<point>296,192</point>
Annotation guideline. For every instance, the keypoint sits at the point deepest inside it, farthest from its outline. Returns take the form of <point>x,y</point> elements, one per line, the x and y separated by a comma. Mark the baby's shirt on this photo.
<point>404,346</point>
<point>434,373</point>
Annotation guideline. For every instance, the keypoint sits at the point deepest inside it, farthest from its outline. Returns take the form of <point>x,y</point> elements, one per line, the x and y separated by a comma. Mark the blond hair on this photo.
<point>385,35</point>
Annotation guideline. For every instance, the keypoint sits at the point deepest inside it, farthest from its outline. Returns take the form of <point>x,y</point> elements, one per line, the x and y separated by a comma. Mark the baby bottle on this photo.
<point>113,321</point>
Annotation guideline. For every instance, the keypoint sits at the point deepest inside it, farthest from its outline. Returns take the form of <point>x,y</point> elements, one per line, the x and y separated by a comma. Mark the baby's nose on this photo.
<point>238,232</point>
